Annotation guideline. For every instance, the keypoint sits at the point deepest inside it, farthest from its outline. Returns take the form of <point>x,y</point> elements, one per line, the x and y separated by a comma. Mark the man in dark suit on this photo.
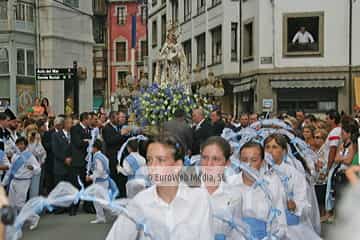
<point>201,131</point>
<point>80,139</point>
<point>61,146</point>
<point>179,128</point>
<point>3,133</point>
<point>217,123</point>
<point>61,153</point>
<point>115,135</point>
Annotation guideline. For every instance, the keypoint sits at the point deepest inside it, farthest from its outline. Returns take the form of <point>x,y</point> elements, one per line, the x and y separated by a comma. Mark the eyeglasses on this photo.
<point>318,137</point>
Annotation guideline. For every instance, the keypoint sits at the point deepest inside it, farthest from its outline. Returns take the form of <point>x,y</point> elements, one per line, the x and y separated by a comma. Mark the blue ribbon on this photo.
<point>122,149</point>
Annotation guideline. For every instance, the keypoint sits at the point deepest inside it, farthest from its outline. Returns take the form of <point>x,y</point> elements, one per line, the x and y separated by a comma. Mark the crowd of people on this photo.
<point>40,150</point>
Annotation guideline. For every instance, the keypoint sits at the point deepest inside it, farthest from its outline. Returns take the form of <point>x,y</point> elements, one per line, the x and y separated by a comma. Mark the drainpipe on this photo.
<point>350,56</point>
<point>38,45</point>
<point>240,55</point>
<point>109,49</point>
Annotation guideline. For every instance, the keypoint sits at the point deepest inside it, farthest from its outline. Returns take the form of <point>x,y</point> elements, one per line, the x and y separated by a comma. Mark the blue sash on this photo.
<point>18,163</point>
<point>133,164</point>
<point>2,155</point>
<point>292,219</point>
<point>114,191</point>
<point>257,227</point>
<point>220,236</point>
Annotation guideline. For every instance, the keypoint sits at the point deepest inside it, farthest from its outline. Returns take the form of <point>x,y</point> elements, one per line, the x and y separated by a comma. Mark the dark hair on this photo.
<point>3,116</point>
<point>98,144</point>
<point>22,140</point>
<point>279,139</point>
<point>217,112</point>
<point>252,144</point>
<point>40,123</point>
<point>311,117</point>
<point>112,114</point>
<point>334,115</point>
<point>170,141</point>
<point>133,145</point>
<point>349,125</point>
<point>92,114</point>
<point>179,113</point>
<point>47,101</point>
<point>221,143</point>
<point>84,116</point>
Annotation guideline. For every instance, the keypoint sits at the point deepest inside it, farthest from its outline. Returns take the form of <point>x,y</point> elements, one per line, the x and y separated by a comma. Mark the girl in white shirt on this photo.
<point>225,198</point>
<point>294,198</point>
<point>177,210</point>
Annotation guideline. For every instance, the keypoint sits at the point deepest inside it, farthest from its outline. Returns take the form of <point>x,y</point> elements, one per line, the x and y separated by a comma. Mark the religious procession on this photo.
<point>175,166</point>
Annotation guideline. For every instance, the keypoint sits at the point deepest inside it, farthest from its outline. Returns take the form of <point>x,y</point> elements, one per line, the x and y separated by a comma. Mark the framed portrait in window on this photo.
<point>303,34</point>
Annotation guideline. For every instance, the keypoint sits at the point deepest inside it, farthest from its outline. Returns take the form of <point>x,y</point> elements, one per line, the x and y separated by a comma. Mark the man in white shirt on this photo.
<point>303,37</point>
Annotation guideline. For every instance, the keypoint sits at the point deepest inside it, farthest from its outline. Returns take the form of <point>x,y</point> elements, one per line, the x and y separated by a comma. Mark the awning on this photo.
<point>244,85</point>
<point>307,82</point>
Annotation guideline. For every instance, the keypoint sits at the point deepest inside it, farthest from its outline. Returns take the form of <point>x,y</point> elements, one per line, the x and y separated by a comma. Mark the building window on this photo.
<point>4,61</point>
<point>143,50</point>
<point>121,51</point>
<point>30,63</point>
<point>175,11</point>
<point>163,29</point>
<point>3,10</point>
<point>154,34</point>
<point>20,61</point>
<point>99,30</point>
<point>234,42</point>
<point>121,15</point>
<point>20,12</point>
<point>29,13</point>
<point>201,50</point>
<point>248,41</point>
<point>303,34</point>
<point>72,3</point>
<point>143,14</point>
<point>154,2</point>
<point>216,45</point>
<point>187,51</point>
<point>187,10</point>
<point>121,77</point>
<point>215,2</point>
<point>200,6</point>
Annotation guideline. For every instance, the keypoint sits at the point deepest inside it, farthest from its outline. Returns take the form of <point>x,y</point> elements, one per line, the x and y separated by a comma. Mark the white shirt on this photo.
<point>227,202</point>
<point>99,170</point>
<point>187,217</point>
<point>126,168</point>
<point>199,124</point>
<point>297,184</point>
<point>255,203</point>
<point>303,38</point>
<point>24,172</point>
<point>38,150</point>
<point>332,140</point>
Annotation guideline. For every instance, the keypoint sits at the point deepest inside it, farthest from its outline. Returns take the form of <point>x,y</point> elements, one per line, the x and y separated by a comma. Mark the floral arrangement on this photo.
<point>157,104</point>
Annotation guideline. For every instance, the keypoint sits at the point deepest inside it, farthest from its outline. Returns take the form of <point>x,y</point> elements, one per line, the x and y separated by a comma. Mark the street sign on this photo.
<point>267,104</point>
<point>54,73</point>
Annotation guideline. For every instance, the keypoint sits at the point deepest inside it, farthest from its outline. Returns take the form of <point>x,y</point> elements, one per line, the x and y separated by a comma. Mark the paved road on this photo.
<point>64,227</point>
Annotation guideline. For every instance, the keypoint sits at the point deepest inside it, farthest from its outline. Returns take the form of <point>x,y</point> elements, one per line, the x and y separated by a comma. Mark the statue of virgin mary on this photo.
<point>171,65</point>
